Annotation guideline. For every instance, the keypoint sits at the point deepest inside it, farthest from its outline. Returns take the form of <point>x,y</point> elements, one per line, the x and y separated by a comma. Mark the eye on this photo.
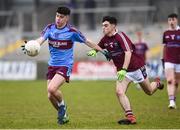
<point>62,16</point>
<point>105,25</point>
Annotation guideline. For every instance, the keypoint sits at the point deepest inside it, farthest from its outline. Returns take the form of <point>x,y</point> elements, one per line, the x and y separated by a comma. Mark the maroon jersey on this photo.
<point>171,52</point>
<point>116,46</point>
<point>140,49</point>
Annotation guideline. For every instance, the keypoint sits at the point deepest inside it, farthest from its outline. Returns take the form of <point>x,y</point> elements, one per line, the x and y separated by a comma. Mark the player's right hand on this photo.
<point>121,74</point>
<point>23,48</point>
<point>92,53</point>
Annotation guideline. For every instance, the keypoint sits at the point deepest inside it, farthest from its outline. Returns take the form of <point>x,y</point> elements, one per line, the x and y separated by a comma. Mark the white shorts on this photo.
<point>174,66</point>
<point>137,76</point>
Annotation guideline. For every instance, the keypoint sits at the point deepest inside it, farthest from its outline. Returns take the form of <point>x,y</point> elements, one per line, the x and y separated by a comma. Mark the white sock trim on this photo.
<point>61,103</point>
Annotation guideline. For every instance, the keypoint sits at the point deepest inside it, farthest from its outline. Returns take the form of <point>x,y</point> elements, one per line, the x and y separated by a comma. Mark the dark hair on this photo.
<point>63,10</point>
<point>173,15</point>
<point>110,19</point>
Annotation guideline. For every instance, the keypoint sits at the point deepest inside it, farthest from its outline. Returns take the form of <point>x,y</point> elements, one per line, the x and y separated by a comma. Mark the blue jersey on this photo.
<point>61,43</point>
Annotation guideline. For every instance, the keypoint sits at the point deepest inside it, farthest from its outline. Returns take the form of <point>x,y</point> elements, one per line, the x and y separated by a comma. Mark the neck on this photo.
<point>173,27</point>
<point>62,26</point>
<point>112,33</point>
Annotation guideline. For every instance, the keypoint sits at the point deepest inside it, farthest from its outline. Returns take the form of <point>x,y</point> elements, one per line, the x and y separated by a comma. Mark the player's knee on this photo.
<point>171,82</point>
<point>51,90</point>
<point>149,93</point>
<point>50,96</point>
<point>148,90</point>
<point>120,92</point>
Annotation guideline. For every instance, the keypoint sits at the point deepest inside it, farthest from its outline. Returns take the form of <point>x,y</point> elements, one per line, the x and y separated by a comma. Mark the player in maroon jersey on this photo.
<point>171,56</point>
<point>141,47</point>
<point>130,67</point>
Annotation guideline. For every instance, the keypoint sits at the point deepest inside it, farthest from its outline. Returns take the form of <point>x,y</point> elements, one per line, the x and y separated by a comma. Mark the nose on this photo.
<point>58,19</point>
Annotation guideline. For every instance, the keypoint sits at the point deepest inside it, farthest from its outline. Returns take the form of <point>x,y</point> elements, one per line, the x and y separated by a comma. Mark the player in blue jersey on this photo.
<point>61,37</point>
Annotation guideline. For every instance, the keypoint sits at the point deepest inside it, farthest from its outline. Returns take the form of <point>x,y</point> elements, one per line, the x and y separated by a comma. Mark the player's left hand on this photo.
<point>23,47</point>
<point>92,53</point>
<point>121,74</point>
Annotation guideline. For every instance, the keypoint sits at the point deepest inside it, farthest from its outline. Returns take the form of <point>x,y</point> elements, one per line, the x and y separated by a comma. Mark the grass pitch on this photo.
<point>91,104</point>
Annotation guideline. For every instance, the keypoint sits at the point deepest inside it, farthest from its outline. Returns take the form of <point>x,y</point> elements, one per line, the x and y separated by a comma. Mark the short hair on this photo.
<point>63,10</point>
<point>110,19</point>
<point>173,15</point>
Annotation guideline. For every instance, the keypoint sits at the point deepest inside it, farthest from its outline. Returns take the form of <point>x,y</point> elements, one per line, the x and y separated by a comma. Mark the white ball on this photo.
<point>32,48</point>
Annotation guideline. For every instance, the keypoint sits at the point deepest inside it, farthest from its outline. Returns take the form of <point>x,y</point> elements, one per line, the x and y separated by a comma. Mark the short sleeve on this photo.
<point>45,32</point>
<point>163,40</point>
<point>79,37</point>
<point>101,43</point>
<point>146,47</point>
<point>125,42</point>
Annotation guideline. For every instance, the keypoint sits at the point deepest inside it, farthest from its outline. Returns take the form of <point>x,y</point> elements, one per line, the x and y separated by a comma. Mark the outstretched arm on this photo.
<point>97,48</point>
<point>93,45</point>
<point>40,40</point>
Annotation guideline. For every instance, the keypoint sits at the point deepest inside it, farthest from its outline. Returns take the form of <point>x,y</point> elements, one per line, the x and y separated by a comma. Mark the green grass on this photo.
<point>91,104</point>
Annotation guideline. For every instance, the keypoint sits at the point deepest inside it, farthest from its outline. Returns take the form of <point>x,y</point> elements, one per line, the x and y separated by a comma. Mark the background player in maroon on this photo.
<point>171,56</point>
<point>130,67</point>
<point>141,47</point>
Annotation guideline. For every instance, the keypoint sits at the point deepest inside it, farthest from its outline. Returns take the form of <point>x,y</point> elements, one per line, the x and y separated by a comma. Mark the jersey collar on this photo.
<point>177,28</point>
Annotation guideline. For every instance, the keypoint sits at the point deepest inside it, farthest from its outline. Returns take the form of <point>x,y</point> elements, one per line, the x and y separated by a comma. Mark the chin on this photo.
<point>105,33</point>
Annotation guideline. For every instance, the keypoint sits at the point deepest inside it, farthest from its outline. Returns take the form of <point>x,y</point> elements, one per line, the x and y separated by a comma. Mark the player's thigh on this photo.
<point>48,81</point>
<point>146,85</point>
<point>177,72</point>
<point>56,82</point>
<point>121,87</point>
<point>169,71</point>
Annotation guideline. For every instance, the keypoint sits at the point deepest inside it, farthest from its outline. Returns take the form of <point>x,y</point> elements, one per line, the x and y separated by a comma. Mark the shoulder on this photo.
<point>50,25</point>
<point>178,30</point>
<point>120,35</point>
<point>165,32</point>
<point>143,44</point>
<point>47,28</point>
<point>172,31</point>
<point>104,39</point>
<point>72,28</point>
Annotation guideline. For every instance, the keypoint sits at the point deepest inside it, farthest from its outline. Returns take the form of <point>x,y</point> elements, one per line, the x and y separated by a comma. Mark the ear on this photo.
<point>113,25</point>
<point>68,17</point>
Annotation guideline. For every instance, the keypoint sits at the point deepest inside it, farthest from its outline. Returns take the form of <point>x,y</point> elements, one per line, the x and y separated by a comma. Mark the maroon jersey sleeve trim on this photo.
<point>125,42</point>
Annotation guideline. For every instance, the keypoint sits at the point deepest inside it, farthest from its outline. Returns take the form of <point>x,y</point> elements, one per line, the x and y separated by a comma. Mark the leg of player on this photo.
<point>51,97</point>
<point>177,74</point>
<point>121,88</point>
<point>150,88</point>
<point>56,98</point>
<point>177,80</point>
<point>171,89</point>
